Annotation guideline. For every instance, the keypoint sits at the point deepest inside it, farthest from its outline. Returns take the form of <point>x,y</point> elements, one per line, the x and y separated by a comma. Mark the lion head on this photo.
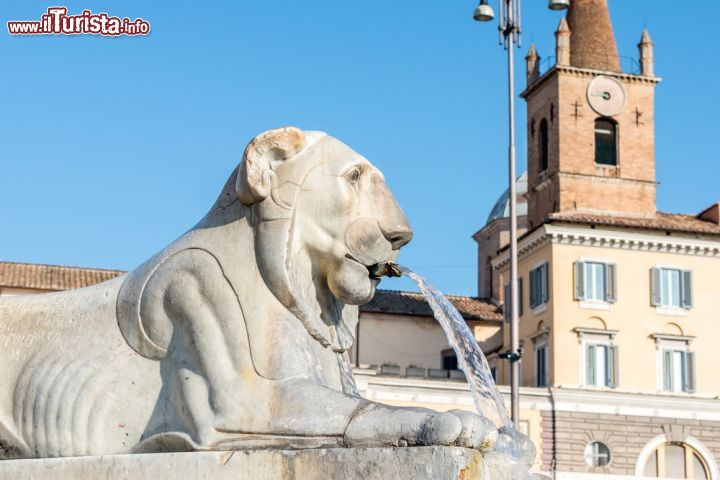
<point>323,218</point>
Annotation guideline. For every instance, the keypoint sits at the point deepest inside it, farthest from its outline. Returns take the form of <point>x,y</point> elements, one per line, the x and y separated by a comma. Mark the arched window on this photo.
<point>676,460</point>
<point>543,145</point>
<point>606,151</point>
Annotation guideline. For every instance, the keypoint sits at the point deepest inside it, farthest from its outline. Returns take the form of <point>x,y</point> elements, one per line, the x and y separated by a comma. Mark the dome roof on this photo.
<point>501,209</point>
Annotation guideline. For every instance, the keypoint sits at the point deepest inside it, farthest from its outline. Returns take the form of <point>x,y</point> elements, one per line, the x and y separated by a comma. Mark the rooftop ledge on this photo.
<point>589,72</point>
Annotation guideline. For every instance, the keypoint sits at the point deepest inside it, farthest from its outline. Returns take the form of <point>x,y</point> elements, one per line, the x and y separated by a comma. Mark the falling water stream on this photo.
<point>486,396</point>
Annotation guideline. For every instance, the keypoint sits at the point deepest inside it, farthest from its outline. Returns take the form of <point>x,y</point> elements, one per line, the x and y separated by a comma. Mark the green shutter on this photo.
<point>533,288</point>
<point>614,367</point>
<point>520,297</point>
<point>610,283</point>
<point>506,302</point>
<point>507,305</point>
<point>545,283</point>
<point>689,372</point>
<point>655,296</point>
<point>579,280</point>
<point>686,289</point>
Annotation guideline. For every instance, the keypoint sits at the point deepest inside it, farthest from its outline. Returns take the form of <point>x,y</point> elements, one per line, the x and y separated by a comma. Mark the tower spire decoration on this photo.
<point>647,58</point>
<point>532,62</point>
<point>593,42</point>
<point>562,44</point>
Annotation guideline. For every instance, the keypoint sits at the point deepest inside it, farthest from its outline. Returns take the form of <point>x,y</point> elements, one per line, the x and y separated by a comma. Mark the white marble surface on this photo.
<point>236,334</point>
<point>421,463</point>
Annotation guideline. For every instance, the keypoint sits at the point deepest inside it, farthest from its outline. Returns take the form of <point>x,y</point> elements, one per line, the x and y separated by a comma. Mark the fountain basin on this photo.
<point>410,463</point>
<point>424,463</point>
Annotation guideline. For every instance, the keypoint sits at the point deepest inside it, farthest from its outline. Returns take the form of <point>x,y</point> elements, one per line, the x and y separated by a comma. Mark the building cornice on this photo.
<point>530,242</point>
<point>489,228</point>
<point>607,238</point>
<point>584,400</point>
<point>668,337</point>
<point>586,72</point>
<point>595,331</point>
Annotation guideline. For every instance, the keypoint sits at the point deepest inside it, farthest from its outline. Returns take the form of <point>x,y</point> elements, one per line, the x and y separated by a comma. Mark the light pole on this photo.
<point>510,28</point>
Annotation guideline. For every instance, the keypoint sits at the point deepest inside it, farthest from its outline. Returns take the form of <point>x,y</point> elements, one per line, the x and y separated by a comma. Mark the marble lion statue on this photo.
<point>234,336</point>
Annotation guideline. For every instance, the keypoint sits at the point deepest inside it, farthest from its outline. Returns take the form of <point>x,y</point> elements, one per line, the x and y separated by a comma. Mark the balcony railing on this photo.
<point>627,64</point>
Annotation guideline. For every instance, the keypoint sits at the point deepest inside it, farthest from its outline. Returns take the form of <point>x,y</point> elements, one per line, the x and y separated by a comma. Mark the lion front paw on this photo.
<point>477,431</point>
<point>380,425</point>
<point>516,445</point>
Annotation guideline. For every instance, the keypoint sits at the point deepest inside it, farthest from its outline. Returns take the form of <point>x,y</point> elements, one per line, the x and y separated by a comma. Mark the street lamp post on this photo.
<point>510,20</point>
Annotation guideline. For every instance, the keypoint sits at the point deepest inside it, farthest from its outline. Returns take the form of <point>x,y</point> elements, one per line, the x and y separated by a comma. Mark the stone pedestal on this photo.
<point>422,463</point>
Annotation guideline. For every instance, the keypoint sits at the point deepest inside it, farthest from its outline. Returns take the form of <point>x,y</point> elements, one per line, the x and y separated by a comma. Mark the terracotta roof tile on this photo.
<point>57,277</point>
<point>411,303</point>
<point>51,277</point>
<point>675,222</point>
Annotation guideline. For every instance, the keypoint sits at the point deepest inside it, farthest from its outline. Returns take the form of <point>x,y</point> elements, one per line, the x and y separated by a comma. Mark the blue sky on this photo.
<point>112,147</point>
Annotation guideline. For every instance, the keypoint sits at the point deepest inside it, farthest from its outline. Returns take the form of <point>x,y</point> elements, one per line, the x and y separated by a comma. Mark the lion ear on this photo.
<point>254,178</point>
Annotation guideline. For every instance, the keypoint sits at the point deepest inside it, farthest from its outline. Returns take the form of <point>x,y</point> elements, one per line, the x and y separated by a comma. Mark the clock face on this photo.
<point>606,96</point>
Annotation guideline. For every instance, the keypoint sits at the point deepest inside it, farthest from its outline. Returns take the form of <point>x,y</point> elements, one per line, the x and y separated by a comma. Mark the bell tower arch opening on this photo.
<point>606,144</point>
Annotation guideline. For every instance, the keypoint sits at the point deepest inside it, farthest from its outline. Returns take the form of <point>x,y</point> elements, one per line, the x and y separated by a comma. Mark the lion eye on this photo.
<point>355,176</point>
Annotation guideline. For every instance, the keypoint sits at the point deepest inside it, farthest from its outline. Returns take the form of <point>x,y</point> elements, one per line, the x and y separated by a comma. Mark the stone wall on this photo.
<point>566,434</point>
<point>573,181</point>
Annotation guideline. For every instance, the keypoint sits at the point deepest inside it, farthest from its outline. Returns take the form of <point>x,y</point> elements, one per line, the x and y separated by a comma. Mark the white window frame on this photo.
<point>606,345</point>
<point>610,284</point>
<point>684,304</point>
<point>543,305</point>
<point>675,343</point>
<point>590,273</point>
<point>542,345</point>
<point>540,339</point>
<point>605,338</point>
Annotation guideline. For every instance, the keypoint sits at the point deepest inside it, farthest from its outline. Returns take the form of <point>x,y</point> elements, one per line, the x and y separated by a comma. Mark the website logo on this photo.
<point>57,22</point>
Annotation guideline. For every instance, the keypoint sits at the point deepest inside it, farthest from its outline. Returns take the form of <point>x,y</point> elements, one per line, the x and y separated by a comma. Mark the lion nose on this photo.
<point>393,223</point>
<point>399,237</point>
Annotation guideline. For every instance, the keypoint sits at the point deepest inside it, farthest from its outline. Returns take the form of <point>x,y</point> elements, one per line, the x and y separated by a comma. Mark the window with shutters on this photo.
<point>671,288</point>
<point>595,282</point>
<point>599,364</point>
<point>676,363</point>
<point>600,360</point>
<point>507,307</point>
<point>541,364</point>
<point>539,286</point>
<point>677,370</point>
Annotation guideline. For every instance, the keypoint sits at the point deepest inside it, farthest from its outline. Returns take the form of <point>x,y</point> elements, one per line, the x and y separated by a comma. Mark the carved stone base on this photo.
<point>421,463</point>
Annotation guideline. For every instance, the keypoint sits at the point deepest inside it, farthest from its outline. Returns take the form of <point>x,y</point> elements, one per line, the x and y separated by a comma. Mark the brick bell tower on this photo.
<point>590,131</point>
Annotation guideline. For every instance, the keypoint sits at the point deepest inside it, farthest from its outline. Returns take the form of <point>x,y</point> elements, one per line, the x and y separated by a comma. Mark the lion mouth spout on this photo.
<point>384,269</point>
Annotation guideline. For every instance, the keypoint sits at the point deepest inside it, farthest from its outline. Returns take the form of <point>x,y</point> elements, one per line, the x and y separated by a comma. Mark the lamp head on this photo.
<point>483,12</point>
<point>558,4</point>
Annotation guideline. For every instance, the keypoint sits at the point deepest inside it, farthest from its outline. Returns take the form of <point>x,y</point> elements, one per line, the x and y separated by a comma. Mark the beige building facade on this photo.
<point>397,333</point>
<point>618,300</point>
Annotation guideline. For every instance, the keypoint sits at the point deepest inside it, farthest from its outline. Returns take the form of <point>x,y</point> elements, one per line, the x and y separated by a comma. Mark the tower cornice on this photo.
<point>586,72</point>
